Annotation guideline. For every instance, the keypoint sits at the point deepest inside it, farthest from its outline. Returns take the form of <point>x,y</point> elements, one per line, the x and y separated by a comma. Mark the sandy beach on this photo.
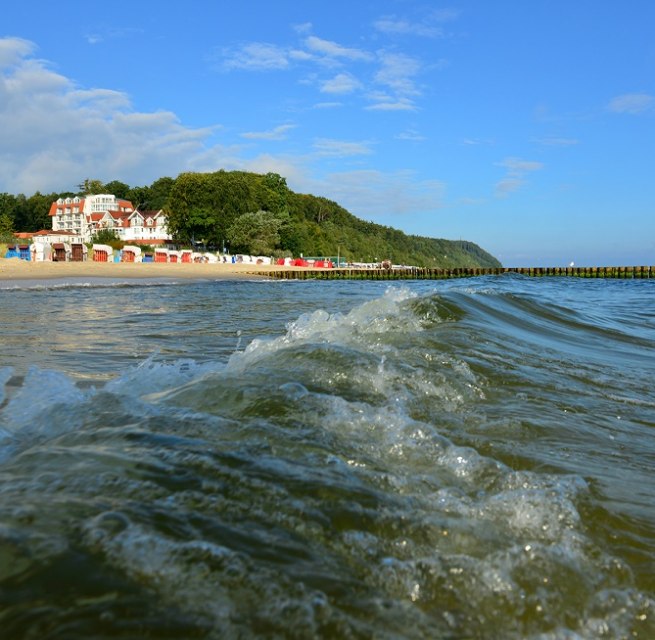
<point>15,269</point>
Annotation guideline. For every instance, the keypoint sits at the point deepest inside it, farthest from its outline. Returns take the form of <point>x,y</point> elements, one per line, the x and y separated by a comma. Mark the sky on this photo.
<point>525,126</point>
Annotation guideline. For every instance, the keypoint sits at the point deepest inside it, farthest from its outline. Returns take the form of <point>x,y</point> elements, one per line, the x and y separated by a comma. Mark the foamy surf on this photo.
<point>416,463</point>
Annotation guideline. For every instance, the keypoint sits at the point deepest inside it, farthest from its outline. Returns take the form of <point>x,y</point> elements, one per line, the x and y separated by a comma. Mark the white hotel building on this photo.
<point>85,216</point>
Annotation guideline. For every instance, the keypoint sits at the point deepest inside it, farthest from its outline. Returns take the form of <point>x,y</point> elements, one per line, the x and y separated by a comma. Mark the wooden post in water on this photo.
<point>438,273</point>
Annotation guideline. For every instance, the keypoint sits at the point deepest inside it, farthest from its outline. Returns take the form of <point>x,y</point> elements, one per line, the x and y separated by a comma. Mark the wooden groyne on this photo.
<point>463,272</point>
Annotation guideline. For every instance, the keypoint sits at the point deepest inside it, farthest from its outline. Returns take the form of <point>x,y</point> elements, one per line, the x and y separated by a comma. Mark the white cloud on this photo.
<point>556,141</point>
<point>298,55</point>
<point>392,105</point>
<point>508,185</point>
<point>411,135</point>
<point>514,179</point>
<point>278,133</point>
<point>334,50</point>
<point>517,166</point>
<point>428,27</point>
<point>397,72</point>
<point>12,50</point>
<point>341,83</point>
<point>340,148</point>
<point>473,142</point>
<point>256,56</point>
<point>394,25</point>
<point>303,28</point>
<point>632,103</point>
<point>55,133</point>
<point>368,193</point>
<point>387,78</point>
<point>328,105</point>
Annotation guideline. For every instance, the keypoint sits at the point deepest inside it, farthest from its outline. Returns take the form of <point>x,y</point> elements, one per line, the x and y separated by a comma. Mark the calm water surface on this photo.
<point>231,459</point>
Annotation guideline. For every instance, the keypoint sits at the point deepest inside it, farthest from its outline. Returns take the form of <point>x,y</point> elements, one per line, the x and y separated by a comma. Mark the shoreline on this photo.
<point>16,269</point>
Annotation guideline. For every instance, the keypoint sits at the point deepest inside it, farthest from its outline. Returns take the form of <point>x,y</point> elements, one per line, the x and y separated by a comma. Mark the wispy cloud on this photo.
<point>632,103</point>
<point>256,56</point>
<point>395,25</point>
<point>333,50</point>
<point>278,133</point>
<point>387,79</point>
<point>340,148</point>
<point>391,103</point>
<point>303,28</point>
<point>411,135</point>
<point>105,34</point>
<point>430,26</point>
<point>397,74</point>
<point>474,142</point>
<point>341,83</point>
<point>378,193</point>
<point>514,179</point>
<point>557,141</point>
<point>328,105</point>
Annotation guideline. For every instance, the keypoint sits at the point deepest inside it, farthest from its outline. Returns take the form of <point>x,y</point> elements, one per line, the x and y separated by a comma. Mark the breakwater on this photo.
<point>640,272</point>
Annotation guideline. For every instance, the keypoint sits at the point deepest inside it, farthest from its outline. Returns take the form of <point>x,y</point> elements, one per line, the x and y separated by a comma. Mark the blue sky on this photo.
<point>526,126</point>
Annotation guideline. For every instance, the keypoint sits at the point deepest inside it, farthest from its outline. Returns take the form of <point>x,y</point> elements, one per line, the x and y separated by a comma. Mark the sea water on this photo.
<point>236,459</point>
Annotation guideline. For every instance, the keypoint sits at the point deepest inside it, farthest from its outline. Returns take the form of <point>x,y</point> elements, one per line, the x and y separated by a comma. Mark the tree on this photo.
<point>6,228</point>
<point>91,187</point>
<point>37,212</point>
<point>159,191</point>
<point>205,205</point>
<point>277,187</point>
<point>154,197</point>
<point>7,214</point>
<point>255,233</point>
<point>106,236</point>
<point>139,197</point>
<point>117,188</point>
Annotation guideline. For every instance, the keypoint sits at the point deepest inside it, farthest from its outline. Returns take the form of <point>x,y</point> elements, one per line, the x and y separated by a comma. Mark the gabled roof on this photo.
<point>125,205</point>
<point>54,206</point>
<point>152,213</point>
<point>120,215</point>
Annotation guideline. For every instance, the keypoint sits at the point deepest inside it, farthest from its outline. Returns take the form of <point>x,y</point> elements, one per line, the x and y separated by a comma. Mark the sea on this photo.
<point>456,459</point>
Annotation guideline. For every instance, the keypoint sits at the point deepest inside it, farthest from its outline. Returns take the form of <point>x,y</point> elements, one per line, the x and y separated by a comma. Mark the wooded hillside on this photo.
<point>254,213</point>
<point>249,210</point>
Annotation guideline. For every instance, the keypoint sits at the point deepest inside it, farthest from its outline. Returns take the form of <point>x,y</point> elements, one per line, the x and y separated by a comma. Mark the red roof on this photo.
<point>49,232</point>
<point>123,206</point>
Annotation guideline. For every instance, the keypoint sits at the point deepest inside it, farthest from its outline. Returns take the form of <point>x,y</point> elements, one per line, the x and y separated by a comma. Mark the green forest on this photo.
<point>258,214</point>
